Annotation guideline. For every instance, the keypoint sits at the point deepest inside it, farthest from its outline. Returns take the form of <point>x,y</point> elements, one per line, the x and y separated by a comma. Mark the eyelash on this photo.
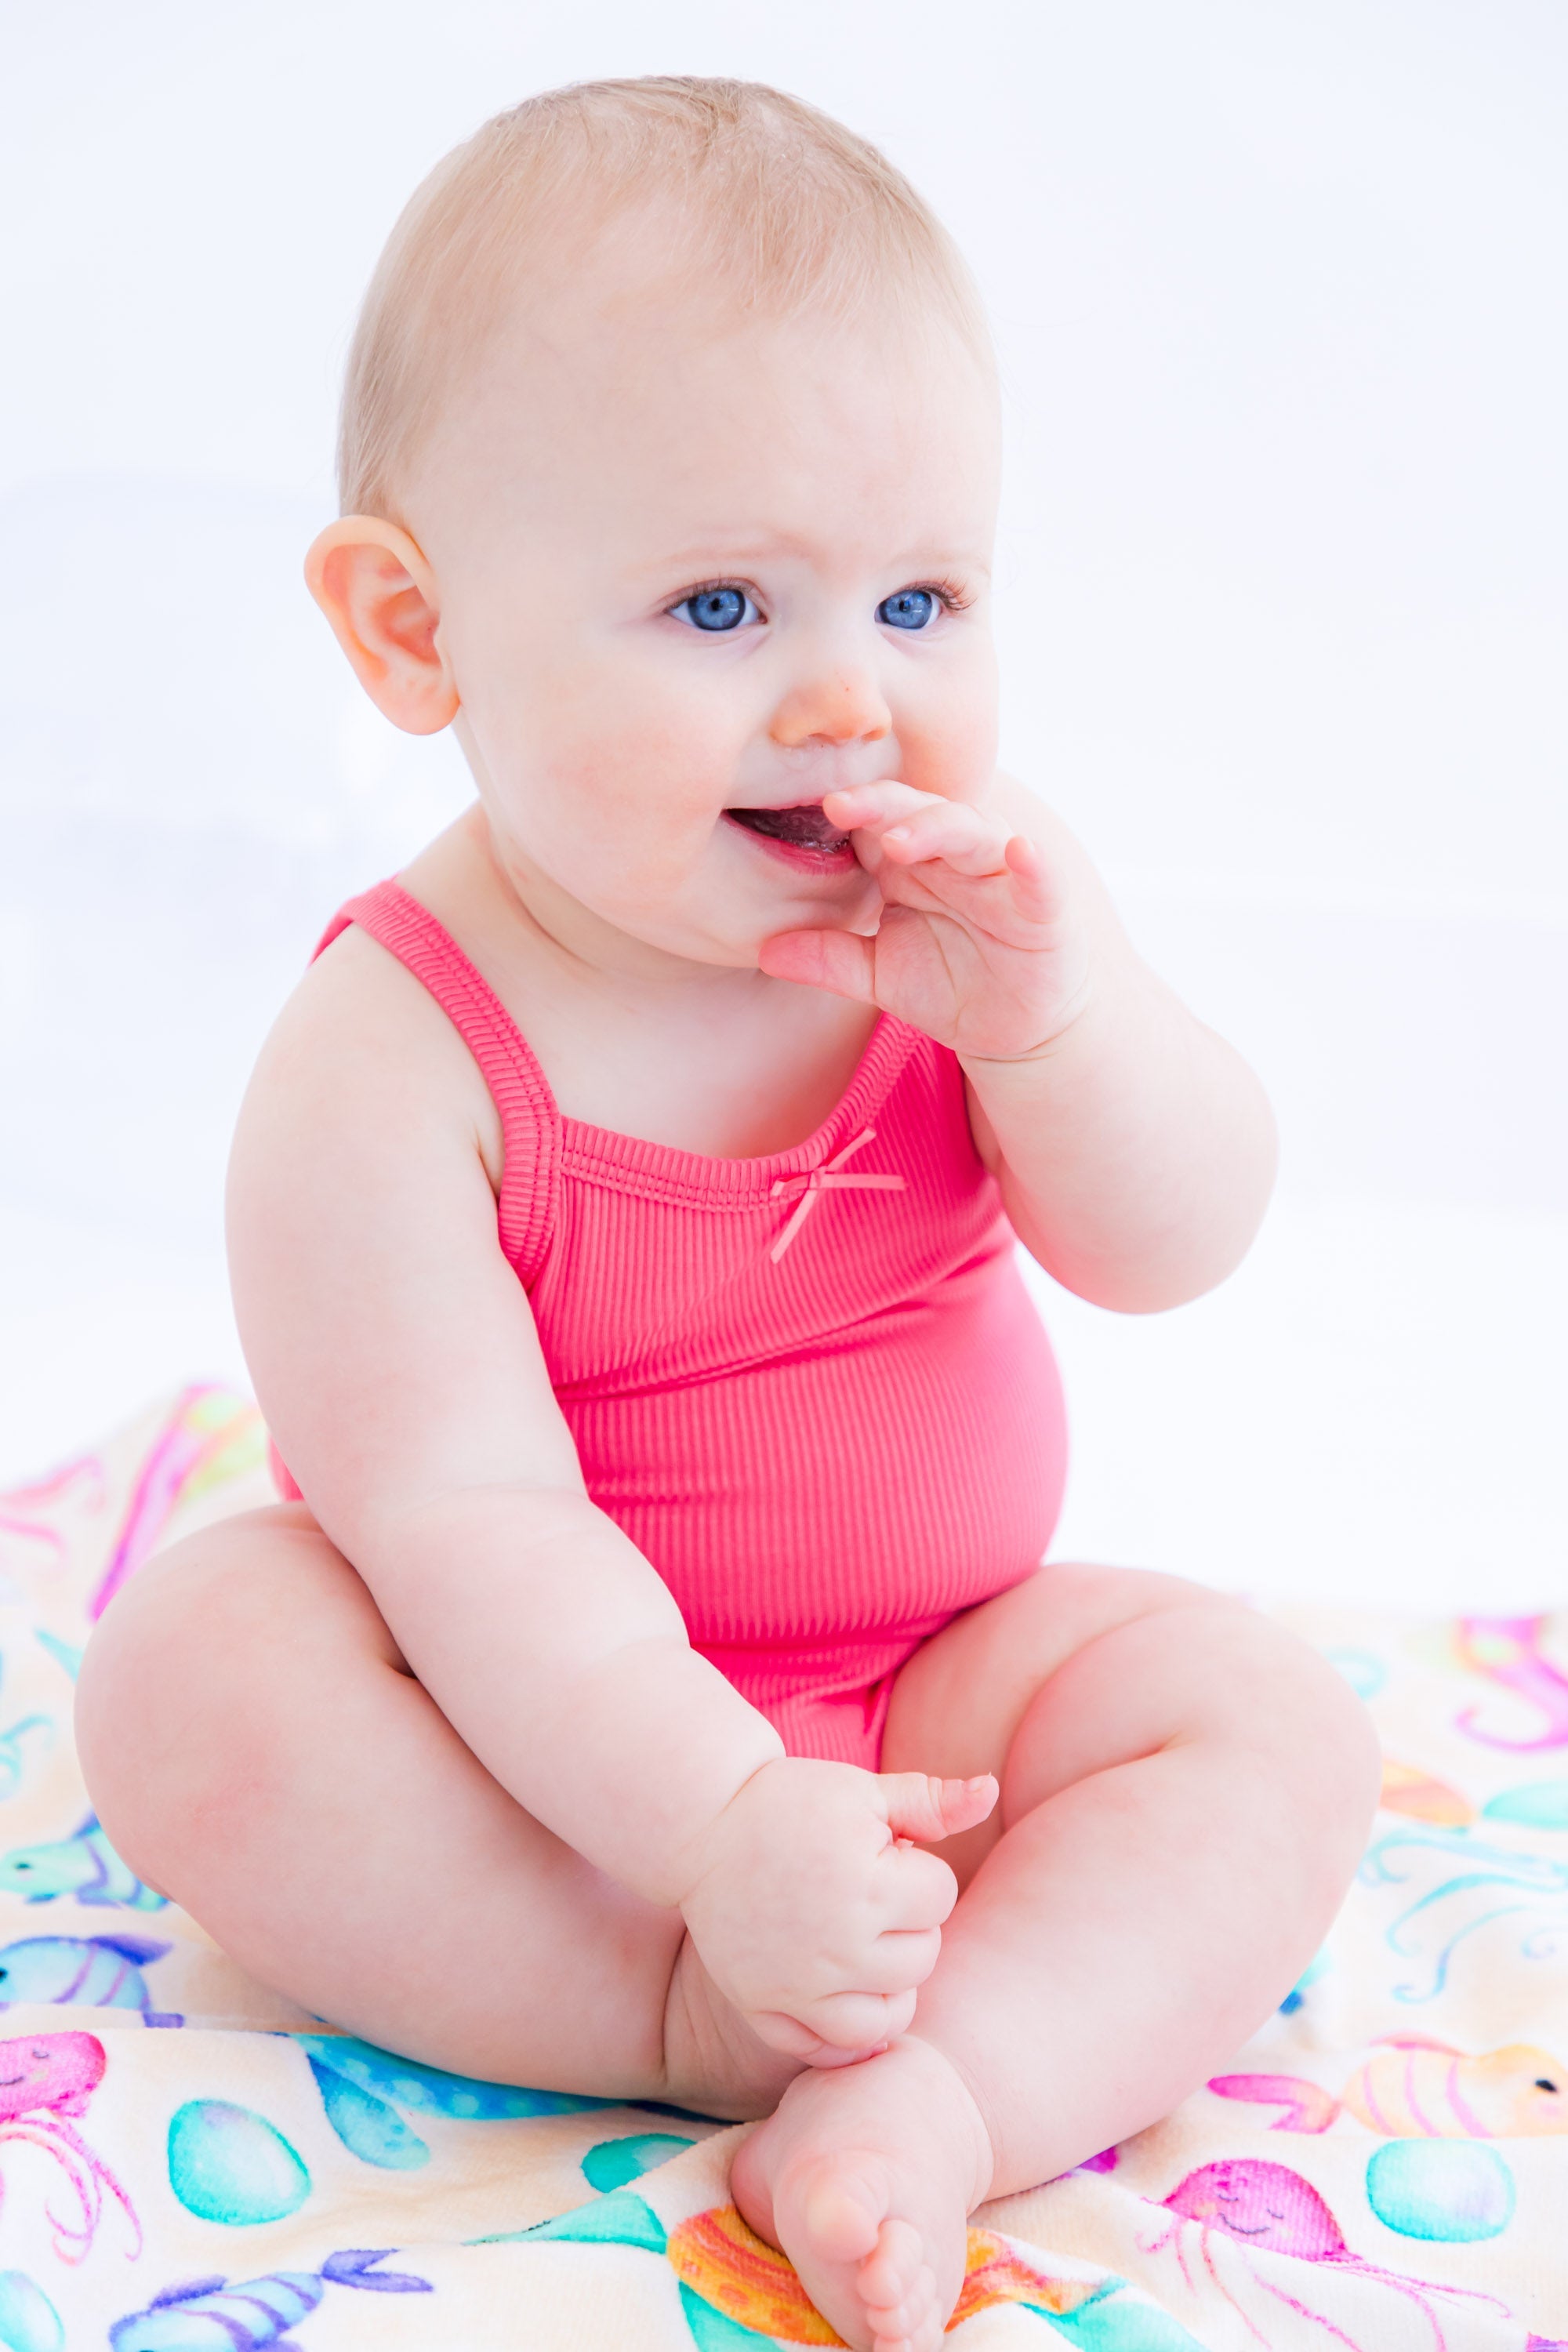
<point>949,593</point>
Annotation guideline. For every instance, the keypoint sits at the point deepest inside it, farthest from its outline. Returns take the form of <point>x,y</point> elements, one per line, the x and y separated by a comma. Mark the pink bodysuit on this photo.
<point>811,1389</point>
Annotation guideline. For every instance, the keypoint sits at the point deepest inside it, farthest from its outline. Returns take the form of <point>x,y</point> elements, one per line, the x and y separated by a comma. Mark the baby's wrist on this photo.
<point>709,1849</point>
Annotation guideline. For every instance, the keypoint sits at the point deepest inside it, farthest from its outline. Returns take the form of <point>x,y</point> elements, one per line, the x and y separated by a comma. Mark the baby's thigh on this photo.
<point>257,1750</point>
<point>1081,1668</point>
<point>959,1703</point>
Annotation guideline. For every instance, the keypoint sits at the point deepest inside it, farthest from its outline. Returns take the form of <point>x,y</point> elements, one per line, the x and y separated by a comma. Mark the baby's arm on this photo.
<point>396,1360</point>
<point>1134,1148</point>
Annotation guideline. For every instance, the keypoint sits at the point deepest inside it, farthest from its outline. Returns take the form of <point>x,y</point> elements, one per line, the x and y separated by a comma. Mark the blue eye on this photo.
<point>911,608</point>
<point>716,609</point>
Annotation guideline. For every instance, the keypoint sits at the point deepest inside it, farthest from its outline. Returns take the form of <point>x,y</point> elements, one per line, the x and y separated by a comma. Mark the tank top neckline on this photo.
<point>622,1160</point>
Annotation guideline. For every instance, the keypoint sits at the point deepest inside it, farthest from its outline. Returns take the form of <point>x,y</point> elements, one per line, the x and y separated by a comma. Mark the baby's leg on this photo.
<point>257,1749</point>
<point>1185,1790</point>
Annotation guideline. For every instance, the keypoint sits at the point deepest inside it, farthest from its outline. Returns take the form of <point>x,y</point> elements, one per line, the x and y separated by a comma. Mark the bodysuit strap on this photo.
<point>531,1124</point>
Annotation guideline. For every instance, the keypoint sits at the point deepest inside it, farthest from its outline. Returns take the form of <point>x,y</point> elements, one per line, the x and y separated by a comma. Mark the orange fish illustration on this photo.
<point>1413,2089</point>
<point>735,2288</point>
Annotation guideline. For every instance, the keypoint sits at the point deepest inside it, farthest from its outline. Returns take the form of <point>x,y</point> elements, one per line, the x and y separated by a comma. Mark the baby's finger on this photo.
<point>900,1958</point>
<point>780,2031</point>
<point>964,838</point>
<point>859,807</point>
<point>859,2020</point>
<point>839,961</point>
<point>909,828</point>
<point>915,1889</point>
<point>921,1807</point>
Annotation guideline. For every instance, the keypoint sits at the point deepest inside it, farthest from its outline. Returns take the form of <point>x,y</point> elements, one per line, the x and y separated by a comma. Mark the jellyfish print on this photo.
<point>1232,2222</point>
<point>45,2080</point>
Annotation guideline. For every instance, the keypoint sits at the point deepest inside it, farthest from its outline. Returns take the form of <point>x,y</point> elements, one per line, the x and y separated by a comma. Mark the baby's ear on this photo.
<point>379,593</point>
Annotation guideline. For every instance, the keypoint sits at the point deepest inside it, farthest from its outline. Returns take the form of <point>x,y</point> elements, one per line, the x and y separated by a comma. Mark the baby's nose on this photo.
<point>840,705</point>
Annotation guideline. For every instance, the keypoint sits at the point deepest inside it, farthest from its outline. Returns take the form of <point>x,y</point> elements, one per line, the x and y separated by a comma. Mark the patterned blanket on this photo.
<point>187,2162</point>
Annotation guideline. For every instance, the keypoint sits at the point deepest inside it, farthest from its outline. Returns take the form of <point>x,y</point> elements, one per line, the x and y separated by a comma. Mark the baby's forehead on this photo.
<point>664,412</point>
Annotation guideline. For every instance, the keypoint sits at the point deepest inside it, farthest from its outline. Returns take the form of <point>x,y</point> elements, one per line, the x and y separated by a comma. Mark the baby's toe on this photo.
<point>902,2323</point>
<point>918,2331</point>
<point>898,2290</point>
<point>890,2269</point>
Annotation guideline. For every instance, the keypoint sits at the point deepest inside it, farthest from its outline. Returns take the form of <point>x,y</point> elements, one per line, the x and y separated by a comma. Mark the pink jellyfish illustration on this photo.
<point>46,2078</point>
<point>1508,1650</point>
<point>1267,2209</point>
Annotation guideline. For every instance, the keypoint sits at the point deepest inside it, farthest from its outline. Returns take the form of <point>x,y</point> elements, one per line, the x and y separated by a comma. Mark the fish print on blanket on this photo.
<point>255,2313</point>
<point>1416,2089</point>
<point>737,2290</point>
<point>85,1972</point>
<point>362,2089</point>
<point>46,2081</point>
<point>83,1865</point>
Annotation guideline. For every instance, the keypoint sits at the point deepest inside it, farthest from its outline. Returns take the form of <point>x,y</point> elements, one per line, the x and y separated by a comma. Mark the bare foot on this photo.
<point>866,2177</point>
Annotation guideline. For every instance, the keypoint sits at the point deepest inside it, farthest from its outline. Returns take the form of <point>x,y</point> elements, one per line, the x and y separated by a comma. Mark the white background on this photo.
<point>1278,287</point>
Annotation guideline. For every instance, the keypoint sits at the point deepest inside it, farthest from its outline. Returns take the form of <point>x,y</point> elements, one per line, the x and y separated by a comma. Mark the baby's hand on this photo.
<point>811,1910</point>
<point>979,943</point>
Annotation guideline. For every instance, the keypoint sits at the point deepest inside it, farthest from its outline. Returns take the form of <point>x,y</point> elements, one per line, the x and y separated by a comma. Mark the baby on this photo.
<point>654,1688</point>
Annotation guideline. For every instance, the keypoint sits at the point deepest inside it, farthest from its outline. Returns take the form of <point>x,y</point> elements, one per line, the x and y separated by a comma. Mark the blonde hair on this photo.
<point>778,204</point>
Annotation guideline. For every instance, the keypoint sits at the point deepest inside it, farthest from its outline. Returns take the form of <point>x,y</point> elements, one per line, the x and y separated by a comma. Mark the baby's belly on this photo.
<point>852,1500</point>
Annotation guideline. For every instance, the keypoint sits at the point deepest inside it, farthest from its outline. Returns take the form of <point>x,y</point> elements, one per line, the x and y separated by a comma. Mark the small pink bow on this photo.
<point>827,1179</point>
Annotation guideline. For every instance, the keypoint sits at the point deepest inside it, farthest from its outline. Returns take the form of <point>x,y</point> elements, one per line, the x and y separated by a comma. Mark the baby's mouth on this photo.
<point>803,828</point>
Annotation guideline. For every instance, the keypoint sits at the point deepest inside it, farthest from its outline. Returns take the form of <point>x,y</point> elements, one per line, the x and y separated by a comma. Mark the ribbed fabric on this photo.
<point>827,1454</point>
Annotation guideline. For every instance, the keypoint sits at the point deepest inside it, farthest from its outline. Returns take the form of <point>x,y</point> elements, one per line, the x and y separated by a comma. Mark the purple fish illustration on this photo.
<point>253,2313</point>
<point>91,1971</point>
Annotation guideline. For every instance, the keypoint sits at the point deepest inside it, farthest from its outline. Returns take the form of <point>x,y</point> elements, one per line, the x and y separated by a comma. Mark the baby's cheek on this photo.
<point>949,737</point>
<point>636,807</point>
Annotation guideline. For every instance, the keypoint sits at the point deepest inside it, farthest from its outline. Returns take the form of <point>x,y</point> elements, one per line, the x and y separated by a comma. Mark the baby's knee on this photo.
<point>177,1699</point>
<point>1302,1726</point>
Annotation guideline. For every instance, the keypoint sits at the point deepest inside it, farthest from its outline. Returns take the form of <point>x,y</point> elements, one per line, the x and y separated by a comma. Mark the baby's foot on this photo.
<point>866,2177</point>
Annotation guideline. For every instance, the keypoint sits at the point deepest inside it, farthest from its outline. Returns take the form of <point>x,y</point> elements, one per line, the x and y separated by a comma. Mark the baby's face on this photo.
<point>695,572</point>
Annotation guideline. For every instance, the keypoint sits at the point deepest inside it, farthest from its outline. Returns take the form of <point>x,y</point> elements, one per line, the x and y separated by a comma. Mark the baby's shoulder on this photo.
<point>362,1055</point>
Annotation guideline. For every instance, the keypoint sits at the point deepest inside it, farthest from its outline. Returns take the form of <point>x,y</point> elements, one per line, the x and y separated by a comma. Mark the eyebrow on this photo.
<point>716,554</point>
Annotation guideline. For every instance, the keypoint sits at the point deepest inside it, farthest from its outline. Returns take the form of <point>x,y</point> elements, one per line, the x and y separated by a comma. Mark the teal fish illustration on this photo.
<point>363,2088</point>
<point>88,1971</point>
<point>84,1864</point>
